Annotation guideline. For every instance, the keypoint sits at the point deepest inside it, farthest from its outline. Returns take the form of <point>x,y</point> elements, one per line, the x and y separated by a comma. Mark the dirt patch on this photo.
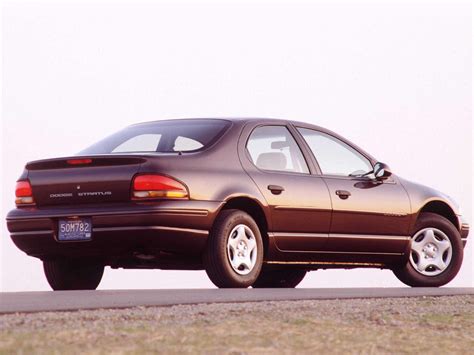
<point>407,325</point>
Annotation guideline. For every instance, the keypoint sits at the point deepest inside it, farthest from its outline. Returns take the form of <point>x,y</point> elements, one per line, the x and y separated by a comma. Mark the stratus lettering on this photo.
<point>94,193</point>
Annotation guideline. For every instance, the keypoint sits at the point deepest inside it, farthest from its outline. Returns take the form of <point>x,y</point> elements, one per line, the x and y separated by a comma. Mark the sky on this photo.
<point>393,77</point>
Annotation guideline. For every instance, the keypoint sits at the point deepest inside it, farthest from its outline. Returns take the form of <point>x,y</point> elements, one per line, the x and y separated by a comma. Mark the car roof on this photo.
<point>266,120</point>
<point>240,120</point>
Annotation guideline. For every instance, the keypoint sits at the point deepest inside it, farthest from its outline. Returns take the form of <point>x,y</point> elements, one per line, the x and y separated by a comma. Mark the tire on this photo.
<point>72,275</point>
<point>444,231</point>
<point>279,278</point>
<point>234,227</point>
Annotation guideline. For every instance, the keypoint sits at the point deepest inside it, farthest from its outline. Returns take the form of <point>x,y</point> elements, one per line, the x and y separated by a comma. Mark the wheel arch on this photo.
<point>441,208</point>
<point>254,209</point>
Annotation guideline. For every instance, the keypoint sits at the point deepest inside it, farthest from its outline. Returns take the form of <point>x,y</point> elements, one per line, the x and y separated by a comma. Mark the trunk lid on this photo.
<point>84,179</point>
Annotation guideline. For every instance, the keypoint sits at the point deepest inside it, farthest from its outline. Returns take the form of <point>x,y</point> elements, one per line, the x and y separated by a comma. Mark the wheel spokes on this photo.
<point>233,242</point>
<point>422,264</point>
<point>439,263</point>
<point>236,261</point>
<point>241,233</point>
<point>417,247</point>
<point>443,245</point>
<point>251,244</point>
<point>246,262</point>
<point>429,237</point>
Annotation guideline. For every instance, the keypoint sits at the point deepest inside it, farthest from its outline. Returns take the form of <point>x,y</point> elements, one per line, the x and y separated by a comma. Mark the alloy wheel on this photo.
<point>242,249</point>
<point>431,251</point>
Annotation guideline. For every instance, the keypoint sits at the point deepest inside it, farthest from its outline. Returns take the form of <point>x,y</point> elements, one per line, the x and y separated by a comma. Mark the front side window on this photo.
<point>162,136</point>
<point>334,156</point>
<point>274,148</point>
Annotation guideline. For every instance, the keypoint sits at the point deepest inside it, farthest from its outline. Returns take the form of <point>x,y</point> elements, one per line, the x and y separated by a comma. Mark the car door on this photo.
<point>299,201</point>
<point>369,215</point>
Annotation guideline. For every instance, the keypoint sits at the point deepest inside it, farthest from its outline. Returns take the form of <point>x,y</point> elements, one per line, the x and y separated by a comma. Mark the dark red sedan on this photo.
<point>255,202</point>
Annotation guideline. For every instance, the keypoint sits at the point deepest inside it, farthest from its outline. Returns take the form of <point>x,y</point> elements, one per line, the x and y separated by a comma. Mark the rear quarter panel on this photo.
<point>215,174</point>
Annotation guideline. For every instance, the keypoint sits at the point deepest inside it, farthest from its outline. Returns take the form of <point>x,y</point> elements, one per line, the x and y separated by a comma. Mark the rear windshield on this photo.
<point>163,137</point>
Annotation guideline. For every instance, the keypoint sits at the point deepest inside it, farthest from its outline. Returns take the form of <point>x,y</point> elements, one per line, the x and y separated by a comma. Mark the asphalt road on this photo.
<point>11,302</point>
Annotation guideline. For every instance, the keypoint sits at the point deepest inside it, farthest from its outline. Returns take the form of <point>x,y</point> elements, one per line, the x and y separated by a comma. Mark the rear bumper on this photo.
<point>119,230</point>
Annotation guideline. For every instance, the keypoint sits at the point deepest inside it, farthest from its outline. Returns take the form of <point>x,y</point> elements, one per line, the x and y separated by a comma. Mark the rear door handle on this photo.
<point>275,189</point>
<point>343,194</point>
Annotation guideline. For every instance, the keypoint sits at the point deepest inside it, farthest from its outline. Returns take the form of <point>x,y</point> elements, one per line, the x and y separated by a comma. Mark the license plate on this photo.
<point>75,229</point>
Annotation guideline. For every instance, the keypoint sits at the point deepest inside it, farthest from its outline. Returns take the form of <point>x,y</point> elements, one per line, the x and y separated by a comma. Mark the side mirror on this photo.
<point>382,171</point>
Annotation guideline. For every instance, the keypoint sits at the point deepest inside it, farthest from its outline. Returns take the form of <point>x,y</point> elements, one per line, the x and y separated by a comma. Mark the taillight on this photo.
<point>157,186</point>
<point>24,193</point>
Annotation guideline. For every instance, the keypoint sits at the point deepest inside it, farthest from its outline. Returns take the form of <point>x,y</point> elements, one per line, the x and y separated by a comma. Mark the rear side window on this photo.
<point>274,148</point>
<point>163,137</point>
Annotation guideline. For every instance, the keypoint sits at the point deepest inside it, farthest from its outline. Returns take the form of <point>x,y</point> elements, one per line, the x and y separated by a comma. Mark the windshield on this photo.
<point>161,136</point>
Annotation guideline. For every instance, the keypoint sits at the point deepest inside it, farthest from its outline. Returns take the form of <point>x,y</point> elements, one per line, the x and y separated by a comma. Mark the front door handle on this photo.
<point>343,194</point>
<point>275,189</point>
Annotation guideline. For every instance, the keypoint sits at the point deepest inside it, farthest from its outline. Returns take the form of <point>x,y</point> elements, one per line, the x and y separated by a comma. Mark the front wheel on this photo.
<point>436,253</point>
<point>234,253</point>
<point>72,275</point>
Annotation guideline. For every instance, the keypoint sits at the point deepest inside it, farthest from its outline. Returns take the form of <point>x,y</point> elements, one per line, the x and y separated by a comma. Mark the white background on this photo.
<point>395,78</point>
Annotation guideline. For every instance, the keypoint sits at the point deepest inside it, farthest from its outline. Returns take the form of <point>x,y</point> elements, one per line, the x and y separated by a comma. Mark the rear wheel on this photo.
<point>436,253</point>
<point>73,275</point>
<point>234,253</point>
<point>279,278</point>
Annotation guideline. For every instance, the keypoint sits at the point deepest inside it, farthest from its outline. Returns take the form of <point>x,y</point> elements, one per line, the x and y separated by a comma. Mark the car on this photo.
<point>254,202</point>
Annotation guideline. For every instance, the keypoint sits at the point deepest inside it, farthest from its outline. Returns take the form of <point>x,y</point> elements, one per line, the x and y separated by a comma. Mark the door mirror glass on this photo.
<point>382,171</point>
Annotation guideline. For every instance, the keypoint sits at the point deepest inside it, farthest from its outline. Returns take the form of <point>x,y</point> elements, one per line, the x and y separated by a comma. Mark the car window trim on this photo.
<point>309,156</point>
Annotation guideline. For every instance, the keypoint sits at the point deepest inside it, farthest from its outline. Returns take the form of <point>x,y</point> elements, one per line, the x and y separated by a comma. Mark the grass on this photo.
<point>434,325</point>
